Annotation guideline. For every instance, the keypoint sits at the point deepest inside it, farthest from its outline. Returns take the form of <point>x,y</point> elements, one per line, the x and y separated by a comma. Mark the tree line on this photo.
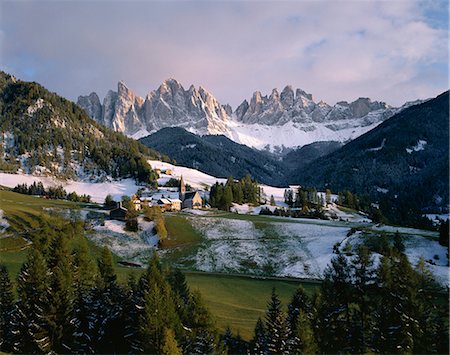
<point>241,191</point>
<point>69,303</point>
<point>393,308</point>
<point>52,192</point>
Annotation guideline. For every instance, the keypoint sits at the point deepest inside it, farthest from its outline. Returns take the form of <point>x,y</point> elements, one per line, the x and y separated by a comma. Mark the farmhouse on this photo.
<point>169,204</point>
<point>118,213</point>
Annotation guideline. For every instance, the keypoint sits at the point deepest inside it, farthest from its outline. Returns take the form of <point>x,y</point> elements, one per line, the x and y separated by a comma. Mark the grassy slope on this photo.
<point>237,301</point>
<point>233,300</point>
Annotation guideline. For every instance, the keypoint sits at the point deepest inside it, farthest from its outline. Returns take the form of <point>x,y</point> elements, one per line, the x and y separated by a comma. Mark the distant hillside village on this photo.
<point>167,198</point>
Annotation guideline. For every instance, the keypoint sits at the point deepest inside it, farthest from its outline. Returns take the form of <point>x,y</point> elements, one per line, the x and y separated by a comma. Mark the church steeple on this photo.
<point>182,188</point>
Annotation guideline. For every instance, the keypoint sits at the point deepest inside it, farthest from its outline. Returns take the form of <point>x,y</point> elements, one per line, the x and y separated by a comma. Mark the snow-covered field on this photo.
<point>195,178</point>
<point>277,249</point>
<point>135,247</point>
<point>97,191</point>
<point>295,247</point>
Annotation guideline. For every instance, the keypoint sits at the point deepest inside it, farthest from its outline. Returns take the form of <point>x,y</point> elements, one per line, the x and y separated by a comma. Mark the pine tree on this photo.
<point>398,242</point>
<point>336,298</point>
<point>259,342</point>
<point>33,289</point>
<point>395,313</point>
<point>82,319</point>
<point>276,326</point>
<point>7,312</point>
<point>328,196</point>
<point>299,302</point>
<point>363,278</point>
<point>108,296</point>
<point>428,337</point>
<point>60,299</point>
<point>227,198</point>
<point>202,337</point>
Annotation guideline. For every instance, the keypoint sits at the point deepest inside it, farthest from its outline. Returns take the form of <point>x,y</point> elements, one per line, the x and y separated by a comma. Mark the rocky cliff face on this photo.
<point>290,118</point>
<point>278,109</point>
<point>168,106</point>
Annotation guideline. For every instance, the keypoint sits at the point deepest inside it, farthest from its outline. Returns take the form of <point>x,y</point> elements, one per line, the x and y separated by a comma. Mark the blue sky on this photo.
<point>393,51</point>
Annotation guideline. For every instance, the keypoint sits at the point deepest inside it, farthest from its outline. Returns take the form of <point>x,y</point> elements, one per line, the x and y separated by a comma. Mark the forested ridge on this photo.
<point>402,164</point>
<point>41,129</point>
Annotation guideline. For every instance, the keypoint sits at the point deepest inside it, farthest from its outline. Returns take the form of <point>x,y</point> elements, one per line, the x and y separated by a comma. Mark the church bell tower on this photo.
<point>182,188</point>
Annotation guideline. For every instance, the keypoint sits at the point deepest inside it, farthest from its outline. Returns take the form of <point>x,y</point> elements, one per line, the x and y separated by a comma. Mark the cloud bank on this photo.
<point>393,51</point>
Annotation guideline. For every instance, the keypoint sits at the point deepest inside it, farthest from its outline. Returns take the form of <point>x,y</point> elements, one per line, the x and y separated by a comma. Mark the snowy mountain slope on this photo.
<point>289,119</point>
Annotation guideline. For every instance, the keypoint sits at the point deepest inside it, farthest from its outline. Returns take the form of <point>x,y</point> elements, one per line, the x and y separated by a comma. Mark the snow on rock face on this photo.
<point>288,119</point>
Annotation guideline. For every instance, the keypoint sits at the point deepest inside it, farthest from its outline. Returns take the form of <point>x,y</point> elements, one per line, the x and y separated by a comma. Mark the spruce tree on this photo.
<point>7,312</point>
<point>395,313</point>
<point>108,297</point>
<point>299,302</point>
<point>32,304</point>
<point>259,342</point>
<point>363,278</point>
<point>276,326</point>
<point>60,299</point>
<point>83,320</point>
<point>336,298</point>
<point>428,337</point>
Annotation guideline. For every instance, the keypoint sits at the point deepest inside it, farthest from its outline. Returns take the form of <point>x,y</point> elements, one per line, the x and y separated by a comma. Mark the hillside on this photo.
<point>216,155</point>
<point>44,134</point>
<point>301,157</point>
<point>402,163</point>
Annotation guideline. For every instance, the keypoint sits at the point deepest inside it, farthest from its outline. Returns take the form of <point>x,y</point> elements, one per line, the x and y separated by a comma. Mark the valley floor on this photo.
<point>233,259</point>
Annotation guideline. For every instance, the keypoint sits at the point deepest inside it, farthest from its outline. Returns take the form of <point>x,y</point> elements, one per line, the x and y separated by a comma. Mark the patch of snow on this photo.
<point>378,148</point>
<point>132,246</point>
<point>188,146</point>
<point>434,217</point>
<point>273,248</point>
<point>195,178</point>
<point>196,212</point>
<point>3,222</point>
<point>295,134</point>
<point>382,190</point>
<point>418,147</point>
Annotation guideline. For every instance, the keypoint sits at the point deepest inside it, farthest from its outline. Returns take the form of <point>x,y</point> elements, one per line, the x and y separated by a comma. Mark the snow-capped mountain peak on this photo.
<point>290,118</point>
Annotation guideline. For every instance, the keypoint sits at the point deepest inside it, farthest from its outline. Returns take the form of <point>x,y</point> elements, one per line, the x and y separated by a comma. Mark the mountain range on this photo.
<point>288,119</point>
